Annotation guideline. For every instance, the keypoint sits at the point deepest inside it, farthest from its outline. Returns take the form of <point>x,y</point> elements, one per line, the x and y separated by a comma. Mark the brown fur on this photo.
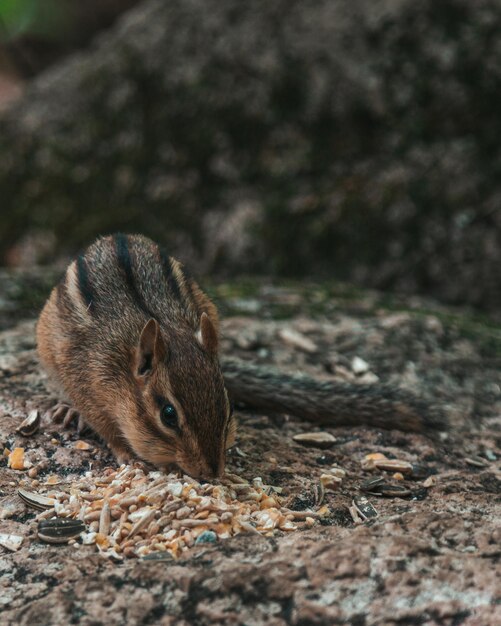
<point>117,302</point>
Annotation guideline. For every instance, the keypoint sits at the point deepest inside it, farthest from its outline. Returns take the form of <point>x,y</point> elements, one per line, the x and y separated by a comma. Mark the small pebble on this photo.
<point>330,481</point>
<point>359,366</point>
<point>82,445</point>
<point>489,454</point>
<point>398,476</point>
<point>297,340</point>
<point>325,459</point>
<point>338,471</point>
<point>32,472</point>
<point>208,536</point>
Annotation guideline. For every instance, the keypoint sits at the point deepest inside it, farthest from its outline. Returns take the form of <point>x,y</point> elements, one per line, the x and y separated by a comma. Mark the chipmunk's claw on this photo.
<point>82,426</point>
<point>57,412</point>
<point>64,413</point>
<point>124,457</point>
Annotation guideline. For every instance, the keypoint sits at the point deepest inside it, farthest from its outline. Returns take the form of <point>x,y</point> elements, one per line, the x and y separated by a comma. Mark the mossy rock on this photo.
<point>355,140</point>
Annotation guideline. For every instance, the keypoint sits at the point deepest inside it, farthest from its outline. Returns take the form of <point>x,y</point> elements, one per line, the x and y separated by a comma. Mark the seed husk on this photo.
<point>30,425</point>
<point>355,515</point>
<point>11,542</point>
<point>320,440</point>
<point>36,500</point>
<point>319,493</point>
<point>476,461</point>
<point>364,508</point>
<point>59,529</point>
<point>393,491</point>
<point>393,465</point>
<point>419,471</point>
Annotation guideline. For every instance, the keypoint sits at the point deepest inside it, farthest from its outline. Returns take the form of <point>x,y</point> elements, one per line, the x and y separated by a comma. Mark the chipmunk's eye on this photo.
<point>168,415</point>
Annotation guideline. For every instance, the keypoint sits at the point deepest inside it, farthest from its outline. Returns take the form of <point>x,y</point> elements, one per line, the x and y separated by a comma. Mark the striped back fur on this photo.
<point>131,271</point>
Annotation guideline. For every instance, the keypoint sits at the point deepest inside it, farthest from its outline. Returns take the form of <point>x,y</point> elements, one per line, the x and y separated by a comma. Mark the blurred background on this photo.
<point>354,140</point>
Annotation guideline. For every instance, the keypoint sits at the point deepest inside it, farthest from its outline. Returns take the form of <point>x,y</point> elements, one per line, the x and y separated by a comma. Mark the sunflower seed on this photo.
<point>393,465</point>
<point>315,440</point>
<point>59,529</point>
<point>372,484</point>
<point>105,519</point>
<point>30,425</point>
<point>146,516</point>
<point>35,500</point>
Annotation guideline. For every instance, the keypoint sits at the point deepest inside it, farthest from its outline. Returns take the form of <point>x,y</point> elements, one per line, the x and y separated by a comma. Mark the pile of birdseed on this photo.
<point>130,513</point>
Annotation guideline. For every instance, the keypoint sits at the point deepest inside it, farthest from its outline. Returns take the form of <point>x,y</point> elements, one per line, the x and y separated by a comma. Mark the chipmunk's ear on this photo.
<point>151,348</point>
<point>207,334</point>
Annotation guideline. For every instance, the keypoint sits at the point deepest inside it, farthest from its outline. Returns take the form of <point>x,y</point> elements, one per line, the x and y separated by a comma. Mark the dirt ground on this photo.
<point>432,557</point>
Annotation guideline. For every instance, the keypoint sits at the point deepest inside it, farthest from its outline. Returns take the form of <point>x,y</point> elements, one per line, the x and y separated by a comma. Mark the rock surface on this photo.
<point>353,138</point>
<point>431,558</point>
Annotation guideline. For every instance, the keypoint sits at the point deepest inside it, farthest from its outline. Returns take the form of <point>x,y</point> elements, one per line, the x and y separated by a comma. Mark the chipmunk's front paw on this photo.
<point>62,412</point>
<point>123,455</point>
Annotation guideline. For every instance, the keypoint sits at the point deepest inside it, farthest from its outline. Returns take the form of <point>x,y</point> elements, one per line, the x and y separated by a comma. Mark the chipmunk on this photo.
<point>132,341</point>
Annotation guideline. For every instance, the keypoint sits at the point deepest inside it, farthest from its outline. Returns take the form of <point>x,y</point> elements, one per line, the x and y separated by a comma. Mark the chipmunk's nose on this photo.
<point>213,468</point>
<point>213,471</point>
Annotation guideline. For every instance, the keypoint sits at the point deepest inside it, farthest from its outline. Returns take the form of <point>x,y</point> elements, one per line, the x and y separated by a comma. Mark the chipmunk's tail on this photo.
<point>330,403</point>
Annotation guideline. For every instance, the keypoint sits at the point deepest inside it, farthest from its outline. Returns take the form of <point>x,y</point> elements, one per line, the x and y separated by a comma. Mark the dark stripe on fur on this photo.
<point>83,282</point>
<point>152,428</point>
<point>160,400</point>
<point>61,291</point>
<point>125,262</point>
<point>189,282</point>
<point>169,275</point>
